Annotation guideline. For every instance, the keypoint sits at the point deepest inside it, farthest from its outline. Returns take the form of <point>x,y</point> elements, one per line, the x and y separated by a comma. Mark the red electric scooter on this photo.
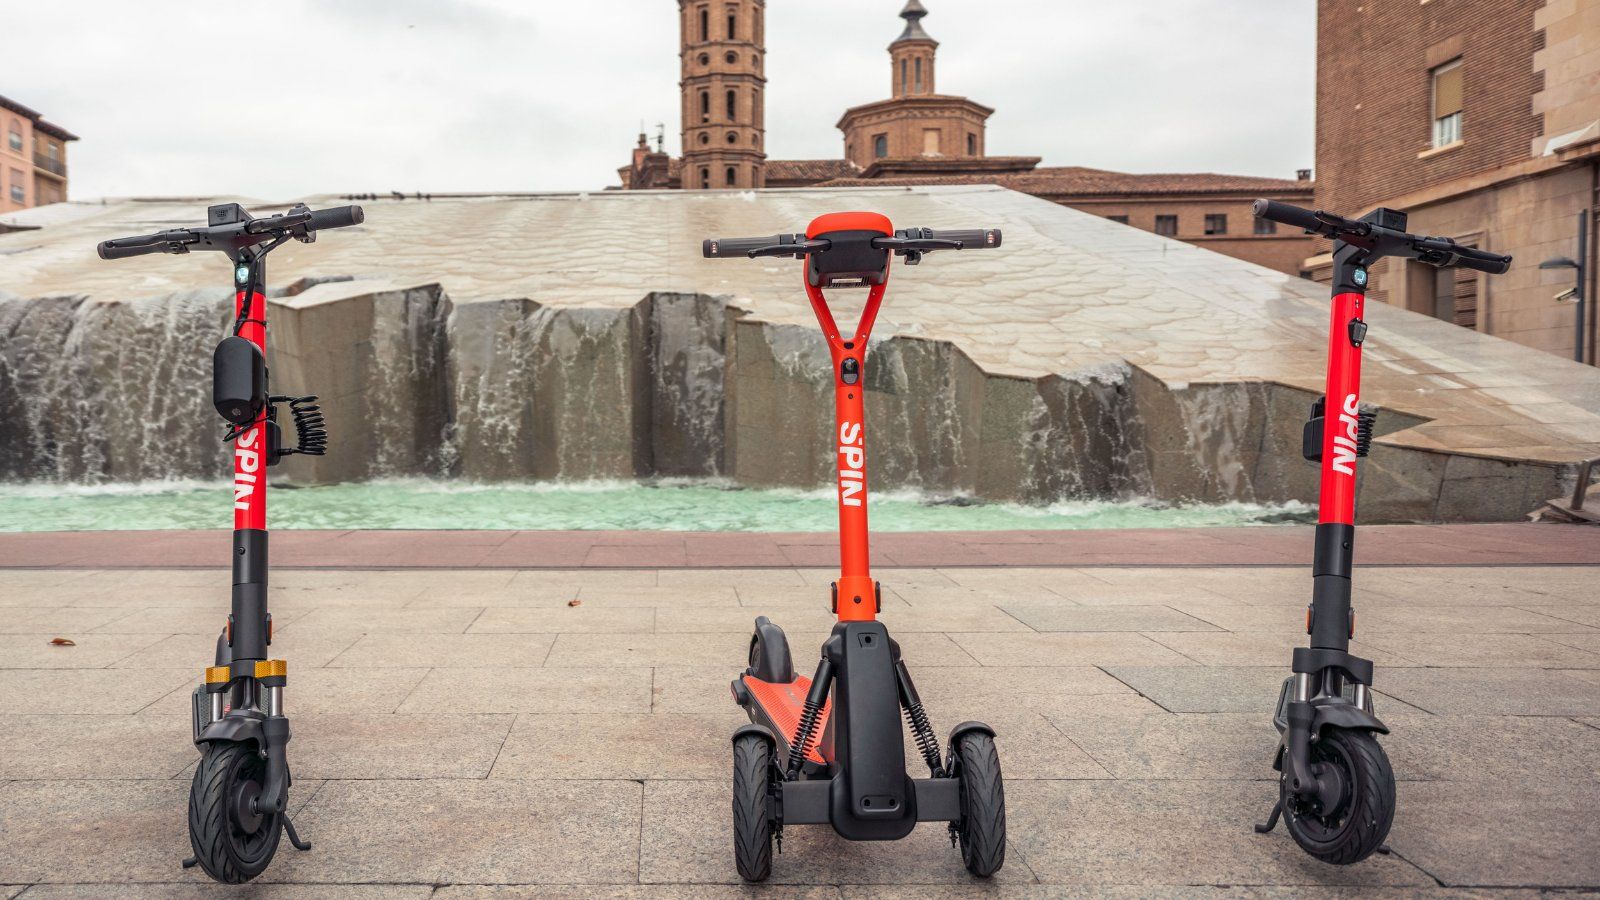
<point>829,749</point>
<point>1336,790</point>
<point>238,800</point>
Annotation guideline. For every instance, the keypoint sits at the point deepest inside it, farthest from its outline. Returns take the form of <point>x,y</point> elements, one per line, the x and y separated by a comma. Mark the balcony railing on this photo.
<point>50,164</point>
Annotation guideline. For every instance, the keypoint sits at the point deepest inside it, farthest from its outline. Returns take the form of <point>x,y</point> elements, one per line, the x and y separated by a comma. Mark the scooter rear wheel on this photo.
<point>231,841</point>
<point>1358,826</point>
<point>982,829</point>
<point>752,822</point>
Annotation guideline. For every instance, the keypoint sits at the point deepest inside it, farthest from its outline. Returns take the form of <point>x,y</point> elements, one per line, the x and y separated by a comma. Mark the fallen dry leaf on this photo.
<point>574,602</point>
<point>64,642</point>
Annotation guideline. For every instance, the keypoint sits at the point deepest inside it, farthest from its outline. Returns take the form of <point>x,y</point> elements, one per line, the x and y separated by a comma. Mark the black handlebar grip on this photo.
<point>729,248</point>
<point>970,238</point>
<point>122,248</point>
<point>1286,213</point>
<point>337,217</point>
<point>1482,261</point>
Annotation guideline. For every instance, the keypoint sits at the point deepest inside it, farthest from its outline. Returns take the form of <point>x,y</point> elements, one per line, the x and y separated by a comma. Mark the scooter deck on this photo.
<point>783,704</point>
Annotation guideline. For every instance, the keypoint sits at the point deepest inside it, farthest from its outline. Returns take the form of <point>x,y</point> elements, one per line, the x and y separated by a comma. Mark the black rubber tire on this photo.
<point>224,850</point>
<point>752,827</point>
<point>1364,818</point>
<point>982,829</point>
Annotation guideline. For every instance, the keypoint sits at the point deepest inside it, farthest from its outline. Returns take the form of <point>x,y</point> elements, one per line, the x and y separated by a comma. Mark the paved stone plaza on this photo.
<point>459,730</point>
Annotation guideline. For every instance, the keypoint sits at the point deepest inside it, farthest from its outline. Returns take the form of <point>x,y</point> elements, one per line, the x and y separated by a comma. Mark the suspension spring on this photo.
<point>927,741</point>
<point>1364,425</point>
<point>804,742</point>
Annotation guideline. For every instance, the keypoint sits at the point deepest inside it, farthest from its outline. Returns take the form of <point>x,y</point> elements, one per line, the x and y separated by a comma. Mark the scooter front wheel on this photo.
<point>752,815</point>
<point>232,842</point>
<point>1359,823</point>
<point>982,829</point>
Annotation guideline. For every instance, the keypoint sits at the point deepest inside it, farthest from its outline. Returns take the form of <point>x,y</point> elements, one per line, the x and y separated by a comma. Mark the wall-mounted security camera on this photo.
<point>1567,296</point>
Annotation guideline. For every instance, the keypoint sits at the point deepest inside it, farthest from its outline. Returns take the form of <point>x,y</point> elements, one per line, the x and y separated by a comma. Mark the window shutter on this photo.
<point>1447,91</point>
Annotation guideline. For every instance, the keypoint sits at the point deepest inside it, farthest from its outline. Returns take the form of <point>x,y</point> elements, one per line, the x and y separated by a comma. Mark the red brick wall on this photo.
<point>1374,93</point>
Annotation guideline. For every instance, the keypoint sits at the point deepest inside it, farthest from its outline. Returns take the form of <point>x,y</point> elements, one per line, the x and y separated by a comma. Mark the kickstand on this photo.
<point>294,836</point>
<point>1272,820</point>
<point>190,862</point>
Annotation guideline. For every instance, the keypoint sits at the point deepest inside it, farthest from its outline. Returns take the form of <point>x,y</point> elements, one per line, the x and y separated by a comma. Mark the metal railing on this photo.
<point>50,164</point>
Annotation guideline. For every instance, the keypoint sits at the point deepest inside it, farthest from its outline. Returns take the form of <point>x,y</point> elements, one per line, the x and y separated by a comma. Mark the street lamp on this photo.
<point>1575,293</point>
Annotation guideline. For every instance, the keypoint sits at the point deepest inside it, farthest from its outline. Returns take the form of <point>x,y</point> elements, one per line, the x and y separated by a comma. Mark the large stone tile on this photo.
<point>256,891</point>
<point>474,831</point>
<point>427,620</point>
<point>1192,747</point>
<point>625,746</point>
<point>1512,833</point>
<point>1030,747</point>
<point>534,579</point>
<point>1257,648</point>
<point>372,745</point>
<point>304,648</point>
<point>737,619</point>
<point>1068,649</point>
<point>80,832</point>
<point>394,650</point>
<point>523,597</point>
<point>67,621</point>
<point>1107,618</point>
<point>695,689</point>
<point>80,691</point>
<point>488,690</point>
<point>166,620</point>
<point>563,618</point>
<point>1585,614</point>
<point>629,892</point>
<point>95,747</point>
<point>687,837</point>
<point>625,597</point>
<point>87,651</point>
<point>754,579</point>
<point>1504,692</point>
<point>633,650</point>
<point>1195,689</point>
<point>1490,748</point>
<point>948,618</point>
<point>1412,619</point>
<point>1169,833</point>
<point>1499,651</point>
<point>311,691</point>
<point>970,598</point>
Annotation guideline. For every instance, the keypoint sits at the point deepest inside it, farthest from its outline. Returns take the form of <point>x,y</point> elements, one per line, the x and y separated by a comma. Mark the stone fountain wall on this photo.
<point>413,384</point>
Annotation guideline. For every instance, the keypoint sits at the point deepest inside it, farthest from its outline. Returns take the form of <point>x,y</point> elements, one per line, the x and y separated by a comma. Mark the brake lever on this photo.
<point>797,250</point>
<point>294,218</point>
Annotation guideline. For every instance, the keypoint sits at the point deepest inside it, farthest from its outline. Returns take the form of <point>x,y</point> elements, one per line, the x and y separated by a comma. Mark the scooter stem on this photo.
<point>856,600</point>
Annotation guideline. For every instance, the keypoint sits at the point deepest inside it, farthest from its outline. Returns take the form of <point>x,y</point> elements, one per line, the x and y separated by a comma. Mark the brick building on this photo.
<point>920,136</point>
<point>1482,121</point>
<point>33,158</point>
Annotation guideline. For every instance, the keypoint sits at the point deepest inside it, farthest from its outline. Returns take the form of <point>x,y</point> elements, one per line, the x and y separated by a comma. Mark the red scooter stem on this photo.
<point>857,593</point>
<point>1337,499</point>
<point>250,448</point>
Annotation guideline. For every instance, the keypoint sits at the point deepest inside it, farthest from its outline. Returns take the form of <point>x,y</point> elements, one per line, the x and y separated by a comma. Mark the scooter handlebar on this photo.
<point>1288,214</point>
<point>969,238</point>
<point>1445,252</point>
<point>139,245</point>
<point>337,217</point>
<point>736,248</point>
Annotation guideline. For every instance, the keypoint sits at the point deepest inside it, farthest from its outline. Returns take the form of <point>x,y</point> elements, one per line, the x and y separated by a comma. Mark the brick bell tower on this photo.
<point>722,50</point>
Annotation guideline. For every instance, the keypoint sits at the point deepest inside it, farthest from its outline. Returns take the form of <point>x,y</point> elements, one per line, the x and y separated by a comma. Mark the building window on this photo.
<point>972,145</point>
<point>14,136</point>
<point>705,106</point>
<point>733,26</point>
<point>18,194</point>
<point>732,176</point>
<point>733,103</point>
<point>1447,97</point>
<point>1167,226</point>
<point>880,146</point>
<point>705,138</point>
<point>705,24</point>
<point>903,63</point>
<point>705,177</point>
<point>1120,220</point>
<point>930,142</point>
<point>1266,226</point>
<point>918,70</point>
<point>1216,223</point>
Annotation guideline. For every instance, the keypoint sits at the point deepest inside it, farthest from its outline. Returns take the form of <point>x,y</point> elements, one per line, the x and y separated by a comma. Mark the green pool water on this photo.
<point>664,505</point>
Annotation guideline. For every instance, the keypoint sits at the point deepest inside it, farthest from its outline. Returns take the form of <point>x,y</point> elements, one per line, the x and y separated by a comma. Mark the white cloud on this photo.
<point>311,96</point>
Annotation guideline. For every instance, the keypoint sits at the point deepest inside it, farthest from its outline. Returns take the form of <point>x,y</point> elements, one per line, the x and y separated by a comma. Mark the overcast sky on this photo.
<point>296,97</point>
